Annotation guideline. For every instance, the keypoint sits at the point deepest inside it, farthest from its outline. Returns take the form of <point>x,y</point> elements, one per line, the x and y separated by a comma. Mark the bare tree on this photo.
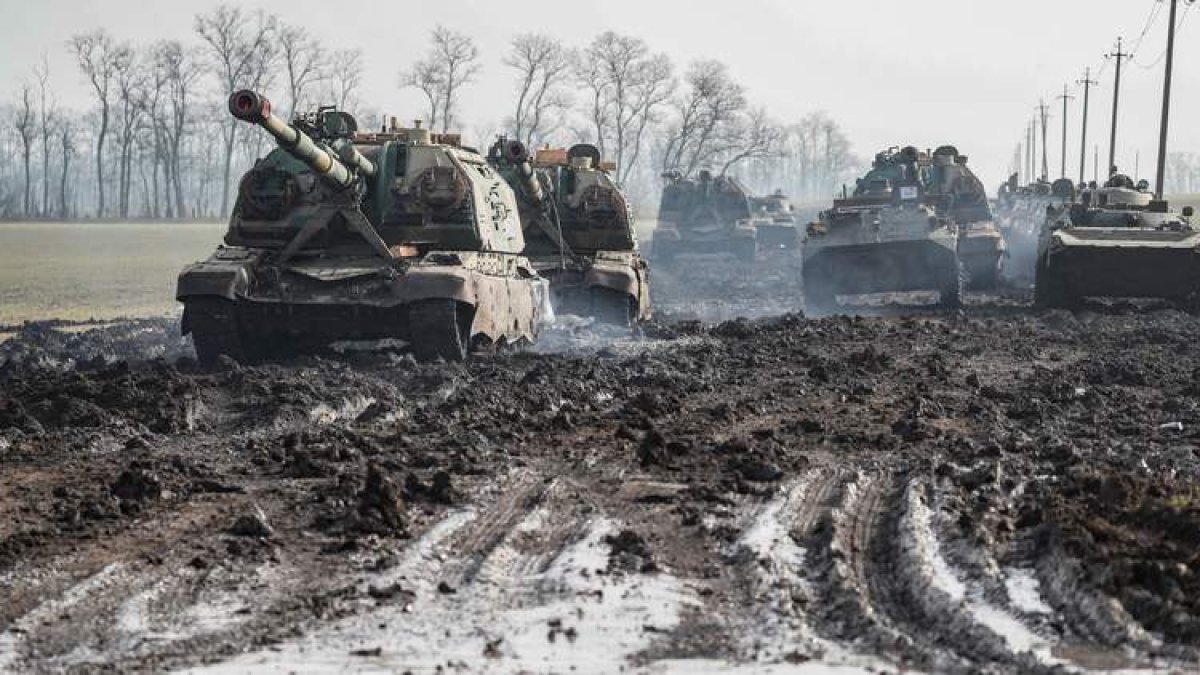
<point>131,80</point>
<point>66,134</point>
<point>626,85</point>
<point>241,51</point>
<point>98,56</point>
<point>702,128</point>
<point>179,68</point>
<point>813,159</point>
<point>451,63</point>
<point>25,124</point>
<point>344,77</point>
<point>47,117</point>
<point>304,60</point>
<point>542,64</point>
<point>756,137</point>
<point>426,76</point>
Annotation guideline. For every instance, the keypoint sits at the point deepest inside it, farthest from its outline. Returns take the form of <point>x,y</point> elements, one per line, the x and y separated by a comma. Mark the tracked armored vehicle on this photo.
<point>963,199</point>
<point>578,231</point>
<point>774,222</point>
<point>887,237</point>
<point>706,215</point>
<point>1117,241</point>
<point>340,235</point>
<point>1021,216</point>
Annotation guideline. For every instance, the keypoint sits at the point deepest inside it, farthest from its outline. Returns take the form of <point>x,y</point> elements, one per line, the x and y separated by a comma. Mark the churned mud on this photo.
<point>997,490</point>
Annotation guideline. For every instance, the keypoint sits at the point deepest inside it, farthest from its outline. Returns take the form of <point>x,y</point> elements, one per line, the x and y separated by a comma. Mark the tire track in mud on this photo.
<point>1036,599</point>
<point>881,585</point>
<point>515,583</point>
<point>772,561</point>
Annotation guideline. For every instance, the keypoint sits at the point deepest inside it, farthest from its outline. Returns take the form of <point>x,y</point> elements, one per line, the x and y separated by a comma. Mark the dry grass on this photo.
<point>97,271</point>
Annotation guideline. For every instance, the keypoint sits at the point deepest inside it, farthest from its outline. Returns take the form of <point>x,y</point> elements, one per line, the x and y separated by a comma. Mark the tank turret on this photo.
<point>338,162</point>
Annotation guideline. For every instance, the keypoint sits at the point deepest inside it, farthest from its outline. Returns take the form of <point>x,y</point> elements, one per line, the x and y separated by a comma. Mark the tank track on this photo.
<point>439,329</point>
<point>215,332</point>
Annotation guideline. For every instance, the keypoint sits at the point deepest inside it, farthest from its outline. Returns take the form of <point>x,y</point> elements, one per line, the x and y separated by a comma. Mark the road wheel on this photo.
<point>612,307</point>
<point>439,329</point>
<point>214,327</point>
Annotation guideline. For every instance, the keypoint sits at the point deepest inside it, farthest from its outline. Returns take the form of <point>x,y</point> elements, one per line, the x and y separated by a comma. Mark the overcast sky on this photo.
<point>924,72</point>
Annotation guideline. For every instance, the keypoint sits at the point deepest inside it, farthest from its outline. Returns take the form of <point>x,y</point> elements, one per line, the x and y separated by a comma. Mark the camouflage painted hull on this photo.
<point>612,286</point>
<point>777,236</point>
<point>982,250</point>
<point>738,242</point>
<point>896,266</point>
<point>494,297</point>
<point>1118,263</point>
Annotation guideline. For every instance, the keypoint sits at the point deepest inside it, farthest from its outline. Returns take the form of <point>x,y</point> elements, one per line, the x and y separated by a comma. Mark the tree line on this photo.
<point>156,141</point>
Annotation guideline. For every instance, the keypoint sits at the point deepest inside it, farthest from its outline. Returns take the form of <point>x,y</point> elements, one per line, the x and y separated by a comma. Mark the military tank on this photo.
<point>963,199</point>
<point>887,237</point>
<point>1117,241</point>
<point>705,215</point>
<point>578,230</point>
<point>775,222</point>
<point>341,235</point>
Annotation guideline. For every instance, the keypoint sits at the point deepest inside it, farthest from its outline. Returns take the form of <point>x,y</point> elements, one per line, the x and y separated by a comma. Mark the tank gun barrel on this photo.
<point>341,166</point>
<point>517,155</point>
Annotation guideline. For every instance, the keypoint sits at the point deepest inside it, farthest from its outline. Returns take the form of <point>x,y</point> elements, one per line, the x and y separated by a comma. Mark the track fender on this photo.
<point>213,278</point>
<point>426,283</point>
<point>616,277</point>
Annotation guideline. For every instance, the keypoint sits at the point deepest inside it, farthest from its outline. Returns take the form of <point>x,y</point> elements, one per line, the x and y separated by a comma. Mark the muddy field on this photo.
<point>999,490</point>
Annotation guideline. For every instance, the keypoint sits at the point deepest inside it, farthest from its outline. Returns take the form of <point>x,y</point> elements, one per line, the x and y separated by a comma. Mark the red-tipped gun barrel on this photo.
<point>250,106</point>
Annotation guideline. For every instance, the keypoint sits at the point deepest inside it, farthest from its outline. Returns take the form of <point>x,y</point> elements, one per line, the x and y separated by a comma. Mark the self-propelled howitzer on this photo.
<point>578,230</point>
<point>340,235</point>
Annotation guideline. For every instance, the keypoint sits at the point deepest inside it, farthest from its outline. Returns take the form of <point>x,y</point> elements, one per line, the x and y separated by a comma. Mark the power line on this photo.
<point>1155,10</point>
<point>1162,54</point>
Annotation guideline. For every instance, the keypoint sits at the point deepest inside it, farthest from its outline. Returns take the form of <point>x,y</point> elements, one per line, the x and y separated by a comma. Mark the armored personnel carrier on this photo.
<point>341,235</point>
<point>1117,241</point>
<point>774,221</point>
<point>706,215</point>
<point>889,236</point>
<point>578,231</point>
<point>963,199</point>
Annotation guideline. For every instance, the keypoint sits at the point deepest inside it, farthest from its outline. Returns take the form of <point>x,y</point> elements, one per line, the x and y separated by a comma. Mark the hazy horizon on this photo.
<point>926,73</point>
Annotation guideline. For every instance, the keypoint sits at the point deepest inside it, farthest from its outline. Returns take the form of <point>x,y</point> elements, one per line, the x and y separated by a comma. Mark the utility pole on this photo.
<point>1043,112</point>
<point>1033,175</point>
<point>1166,104</point>
<point>1087,83</point>
<point>1120,56</point>
<point>1065,97</point>
<point>1029,153</point>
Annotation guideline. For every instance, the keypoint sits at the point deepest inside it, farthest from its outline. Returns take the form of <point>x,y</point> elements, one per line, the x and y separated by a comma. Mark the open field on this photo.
<point>80,271</point>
